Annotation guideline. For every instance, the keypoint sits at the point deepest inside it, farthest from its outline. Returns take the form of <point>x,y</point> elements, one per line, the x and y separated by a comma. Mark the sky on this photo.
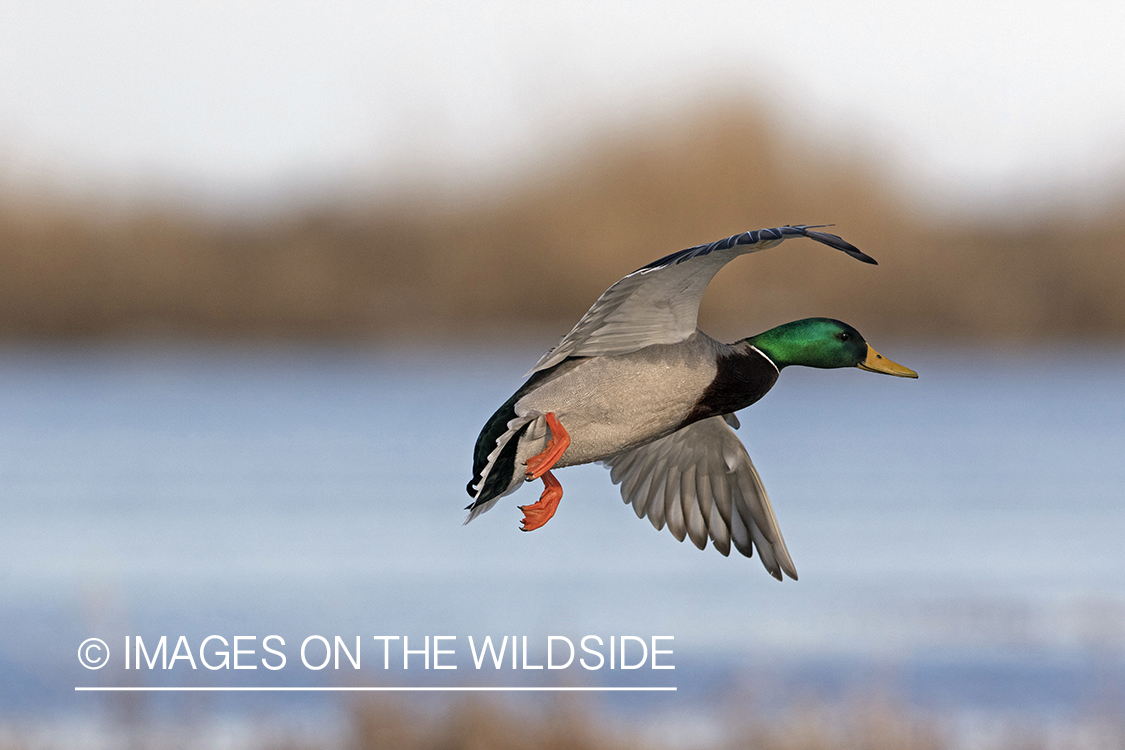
<point>967,103</point>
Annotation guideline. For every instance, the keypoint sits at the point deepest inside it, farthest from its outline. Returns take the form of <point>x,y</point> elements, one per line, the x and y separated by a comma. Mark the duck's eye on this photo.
<point>844,336</point>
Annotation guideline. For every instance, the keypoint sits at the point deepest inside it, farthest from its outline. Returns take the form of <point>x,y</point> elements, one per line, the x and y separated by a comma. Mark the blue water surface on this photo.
<point>961,533</point>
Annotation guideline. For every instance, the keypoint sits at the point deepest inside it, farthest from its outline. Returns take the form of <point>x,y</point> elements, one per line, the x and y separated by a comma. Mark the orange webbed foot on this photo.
<point>541,463</point>
<point>542,511</point>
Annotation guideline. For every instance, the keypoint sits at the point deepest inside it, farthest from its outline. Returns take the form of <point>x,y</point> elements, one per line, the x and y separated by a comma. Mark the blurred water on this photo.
<point>963,530</point>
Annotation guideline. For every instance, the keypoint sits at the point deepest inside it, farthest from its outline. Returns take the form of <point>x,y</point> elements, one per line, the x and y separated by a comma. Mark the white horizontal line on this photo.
<point>126,689</point>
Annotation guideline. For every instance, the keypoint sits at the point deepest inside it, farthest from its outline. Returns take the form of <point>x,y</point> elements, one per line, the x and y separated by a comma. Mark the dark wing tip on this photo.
<point>840,244</point>
<point>759,235</point>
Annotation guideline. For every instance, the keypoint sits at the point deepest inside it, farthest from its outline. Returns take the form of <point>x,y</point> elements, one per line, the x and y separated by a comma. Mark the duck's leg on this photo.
<point>541,512</point>
<point>539,466</point>
<point>541,463</point>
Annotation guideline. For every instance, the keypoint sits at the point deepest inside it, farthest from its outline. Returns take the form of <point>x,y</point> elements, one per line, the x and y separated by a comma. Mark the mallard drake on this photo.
<point>638,387</point>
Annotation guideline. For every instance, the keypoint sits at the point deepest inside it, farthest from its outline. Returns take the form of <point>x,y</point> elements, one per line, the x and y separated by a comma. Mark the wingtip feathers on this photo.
<point>838,243</point>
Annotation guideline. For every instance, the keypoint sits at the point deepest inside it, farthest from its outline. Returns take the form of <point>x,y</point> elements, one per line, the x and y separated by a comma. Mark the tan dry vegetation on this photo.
<point>568,725</point>
<point>874,724</point>
<point>480,725</point>
<point>389,722</point>
<point>536,252</point>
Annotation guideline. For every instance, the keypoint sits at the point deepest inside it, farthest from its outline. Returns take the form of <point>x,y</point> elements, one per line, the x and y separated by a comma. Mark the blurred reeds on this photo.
<point>872,723</point>
<point>496,725</point>
<point>535,251</point>
<point>868,721</point>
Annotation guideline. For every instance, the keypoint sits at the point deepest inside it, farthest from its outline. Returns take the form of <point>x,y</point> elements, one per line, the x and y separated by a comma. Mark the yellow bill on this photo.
<point>876,362</point>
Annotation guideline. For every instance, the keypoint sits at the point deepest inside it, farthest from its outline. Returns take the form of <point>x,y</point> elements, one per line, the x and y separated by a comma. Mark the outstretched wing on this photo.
<point>659,303</point>
<point>700,482</point>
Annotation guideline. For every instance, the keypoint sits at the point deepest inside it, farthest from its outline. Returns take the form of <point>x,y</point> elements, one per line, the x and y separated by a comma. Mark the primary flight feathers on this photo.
<point>659,303</point>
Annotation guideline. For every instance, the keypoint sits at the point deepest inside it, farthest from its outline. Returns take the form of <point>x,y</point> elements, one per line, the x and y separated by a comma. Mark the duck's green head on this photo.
<point>823,342</point>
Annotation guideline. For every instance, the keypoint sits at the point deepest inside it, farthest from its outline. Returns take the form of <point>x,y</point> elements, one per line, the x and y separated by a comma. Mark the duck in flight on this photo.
<point>638,387</point>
